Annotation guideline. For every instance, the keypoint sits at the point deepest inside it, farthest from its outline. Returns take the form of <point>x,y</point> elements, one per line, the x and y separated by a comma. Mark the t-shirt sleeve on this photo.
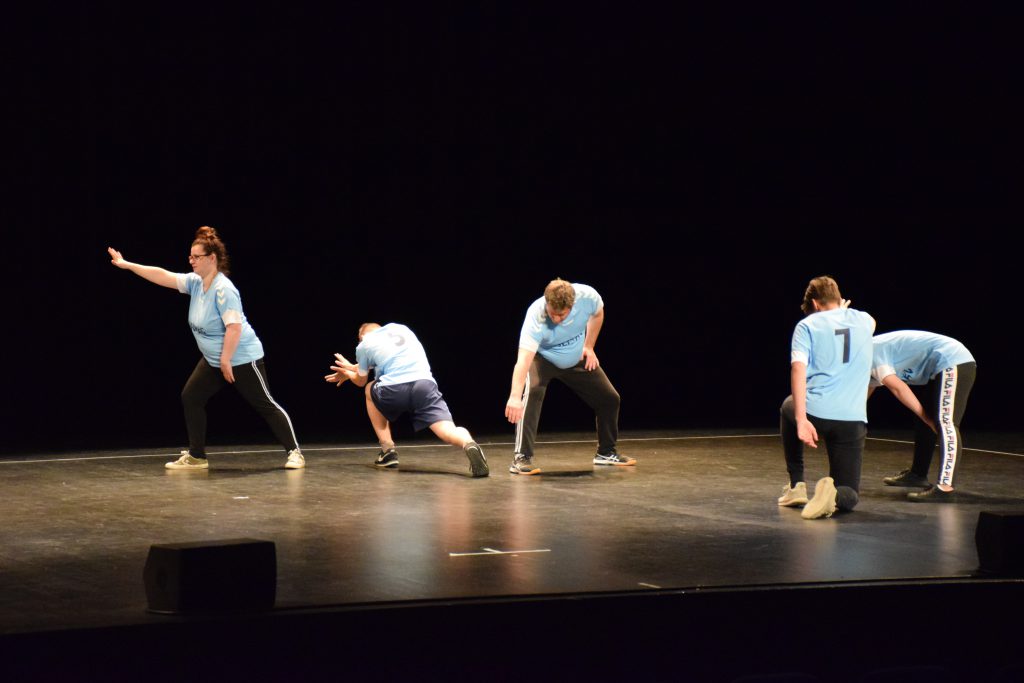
<point>881,371</point>
<point>800,349</point>
<point>881,364</point>
<point>228,305</point>
<point>185,281</point>
<point>362,361</point>
<point>531,334</point>
<point>590,298</point>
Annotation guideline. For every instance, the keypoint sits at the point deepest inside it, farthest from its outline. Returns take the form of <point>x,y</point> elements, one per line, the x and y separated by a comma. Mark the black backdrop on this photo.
<point>436,165</point>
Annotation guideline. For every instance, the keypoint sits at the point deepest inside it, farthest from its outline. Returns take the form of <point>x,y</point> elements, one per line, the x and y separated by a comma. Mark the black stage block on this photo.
<point>211,576</point>
<point>1000,540</point>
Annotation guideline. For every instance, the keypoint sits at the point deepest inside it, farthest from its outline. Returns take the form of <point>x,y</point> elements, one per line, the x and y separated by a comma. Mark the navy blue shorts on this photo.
<point>420,399</point>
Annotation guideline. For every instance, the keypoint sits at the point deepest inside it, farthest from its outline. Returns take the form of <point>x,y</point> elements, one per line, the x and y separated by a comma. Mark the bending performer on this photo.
<point>403,384</point>
<point>944,370</point>
<point>557,342</point>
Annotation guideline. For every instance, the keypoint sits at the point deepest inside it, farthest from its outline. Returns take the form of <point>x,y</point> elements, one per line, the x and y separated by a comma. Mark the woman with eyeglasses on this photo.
<point>232,353</point>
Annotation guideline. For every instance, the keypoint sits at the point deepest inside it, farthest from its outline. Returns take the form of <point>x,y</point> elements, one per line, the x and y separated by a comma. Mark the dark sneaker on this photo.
<point>932,494</point>
<point>614,459</point>
<point>523,464</point>
<point>477,461</point>
<point>823,504</point>
<point>388,458</point>
<point>906,478</point>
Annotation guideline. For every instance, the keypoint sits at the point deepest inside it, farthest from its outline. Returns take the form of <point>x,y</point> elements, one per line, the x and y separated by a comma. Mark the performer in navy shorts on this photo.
<point>403,384</point>
<point>232,353</point>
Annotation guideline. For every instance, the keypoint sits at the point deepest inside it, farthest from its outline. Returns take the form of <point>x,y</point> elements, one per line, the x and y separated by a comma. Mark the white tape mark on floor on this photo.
<point>492,551</point>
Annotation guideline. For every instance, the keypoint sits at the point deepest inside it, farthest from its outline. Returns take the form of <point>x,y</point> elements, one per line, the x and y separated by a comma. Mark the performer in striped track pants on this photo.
<point>557,342</point>
<point>944,370</point>
<point>232,353</point>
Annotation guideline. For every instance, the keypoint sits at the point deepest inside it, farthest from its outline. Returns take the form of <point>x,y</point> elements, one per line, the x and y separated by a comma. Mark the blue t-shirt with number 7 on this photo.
<point>836,347</point>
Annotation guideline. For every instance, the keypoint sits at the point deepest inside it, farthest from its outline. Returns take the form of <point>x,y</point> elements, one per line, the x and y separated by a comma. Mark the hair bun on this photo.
<point>206,232</point>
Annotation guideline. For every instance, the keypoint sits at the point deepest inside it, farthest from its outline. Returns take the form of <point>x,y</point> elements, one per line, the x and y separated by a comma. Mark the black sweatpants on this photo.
<point>844,443</point>
<point>251,383</point>
<point>945,398</point>
<point>592,386</point>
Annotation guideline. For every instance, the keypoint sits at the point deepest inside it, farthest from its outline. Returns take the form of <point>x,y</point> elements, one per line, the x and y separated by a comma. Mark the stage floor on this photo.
<point>698,511</point>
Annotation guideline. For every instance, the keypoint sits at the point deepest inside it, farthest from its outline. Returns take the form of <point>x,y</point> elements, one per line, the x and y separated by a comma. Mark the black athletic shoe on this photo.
<point>906,478</point>
<point>614,459</point>
<point>477,461</point>
<point>387,458</point>
<point>932,494</point>
<point>523,464</point>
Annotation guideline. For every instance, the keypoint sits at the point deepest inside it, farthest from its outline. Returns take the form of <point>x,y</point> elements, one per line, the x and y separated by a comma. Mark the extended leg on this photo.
<point>955,386</point>
<point>596,390</point>
<point>251,383</point>
<point>459,436</point>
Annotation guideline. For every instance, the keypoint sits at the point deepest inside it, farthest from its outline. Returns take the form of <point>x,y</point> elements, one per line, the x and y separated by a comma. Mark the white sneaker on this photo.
<point>793,496</point>
<point>296,461</point>
<point>187,462</point>
<point>824,502</point>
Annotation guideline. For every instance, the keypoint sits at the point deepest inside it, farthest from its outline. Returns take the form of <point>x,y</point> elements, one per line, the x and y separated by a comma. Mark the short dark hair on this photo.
<point>822,289</point>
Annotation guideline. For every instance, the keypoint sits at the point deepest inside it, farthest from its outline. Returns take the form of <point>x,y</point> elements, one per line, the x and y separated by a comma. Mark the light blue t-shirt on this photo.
<point>836,346</point>
<point>211,311</point>
<point>562,344</point>
<point>395,353</point>
<point>914,356</point>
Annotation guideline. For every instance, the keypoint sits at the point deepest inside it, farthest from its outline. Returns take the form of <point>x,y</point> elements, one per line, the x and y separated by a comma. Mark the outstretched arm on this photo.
<point>514,407</point>
<point>906,396</point>
<point>159,276</point>
<point>590,360</point>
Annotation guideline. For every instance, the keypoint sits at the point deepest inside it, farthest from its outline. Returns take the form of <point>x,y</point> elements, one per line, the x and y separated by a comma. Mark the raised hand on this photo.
<point>116,258</point>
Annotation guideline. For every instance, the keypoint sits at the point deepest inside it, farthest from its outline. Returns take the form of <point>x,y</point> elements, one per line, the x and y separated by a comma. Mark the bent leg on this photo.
<point>381,426</point>
<point>204,382</point>
<point>792,446</point>
<point>845,443</point>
